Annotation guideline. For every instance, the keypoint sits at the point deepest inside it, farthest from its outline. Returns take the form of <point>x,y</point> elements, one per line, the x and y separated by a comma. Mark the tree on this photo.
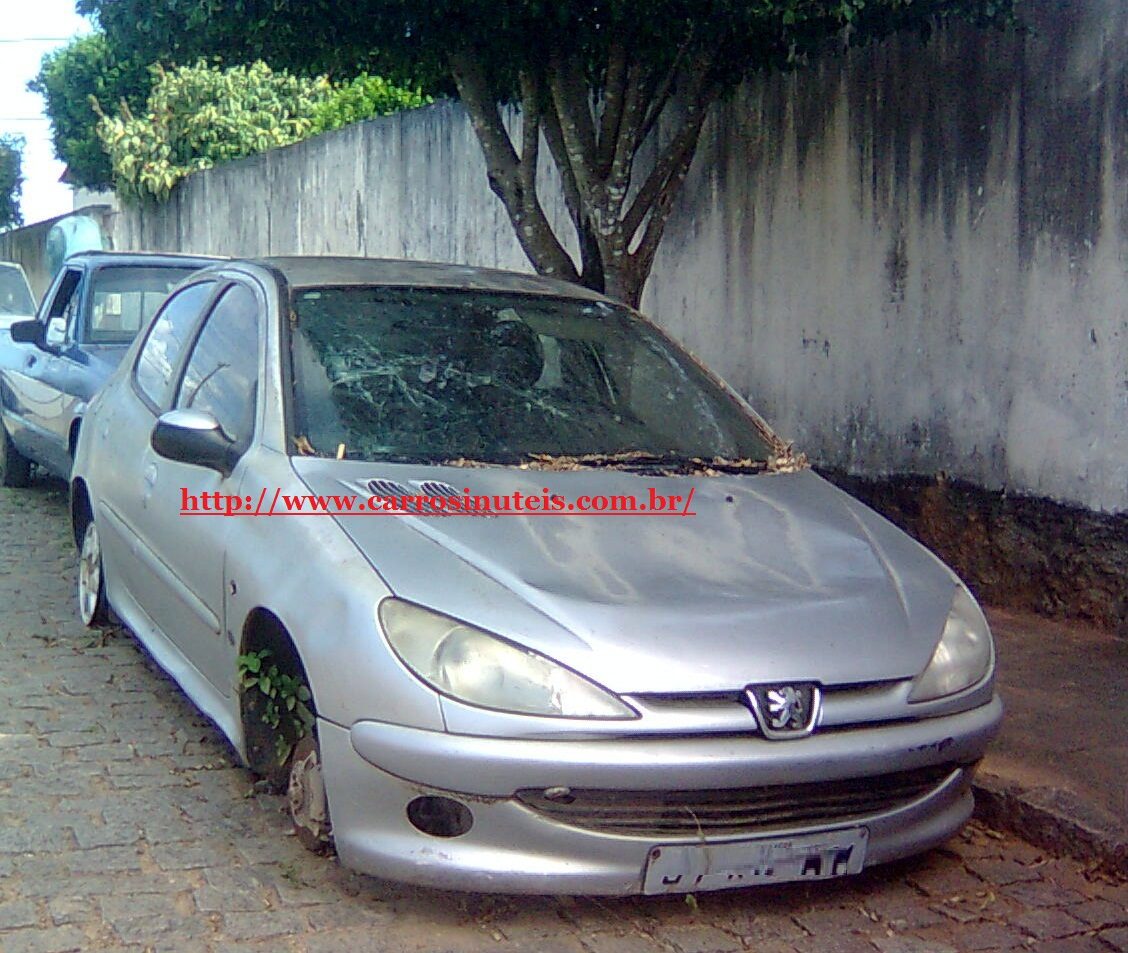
<point>70,79</point>
<point>599,82</point>
<point>11,181</point>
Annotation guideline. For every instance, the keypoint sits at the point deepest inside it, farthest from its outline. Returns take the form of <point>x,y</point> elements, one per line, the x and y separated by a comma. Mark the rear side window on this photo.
<point>166,338</point>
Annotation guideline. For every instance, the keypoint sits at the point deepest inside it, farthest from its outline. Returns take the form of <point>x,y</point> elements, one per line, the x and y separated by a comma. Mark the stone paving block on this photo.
<point>836,920</point>
<point>185,856</point>
<point>163,928</point>
<point>1100,913</point>
<point>1116,939</point>
<point>623,943</point>
<point>17,913</point>
<point>901,944</point>
<point>701,939</point>
<point>346,941</point>
<point>1048,924</point>
<point>1004,871</point>
<point>69,909</point>
<point>1077,944</point>
<point>1042,893</point>
<point>329,917</point>
<point>65,939</point>
<point>834,944</point>
<point>990,936</point>
<point>102,860</point>
<point>245,926</point>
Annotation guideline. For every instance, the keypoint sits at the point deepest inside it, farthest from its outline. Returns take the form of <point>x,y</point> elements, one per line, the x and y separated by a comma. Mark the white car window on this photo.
<point>164,342</point>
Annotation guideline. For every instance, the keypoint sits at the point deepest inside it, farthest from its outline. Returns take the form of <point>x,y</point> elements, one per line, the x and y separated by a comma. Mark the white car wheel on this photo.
<point>91,586</point>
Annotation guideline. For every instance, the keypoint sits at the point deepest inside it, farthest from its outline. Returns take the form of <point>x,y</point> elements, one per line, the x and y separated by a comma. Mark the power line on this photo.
<point>36,39</point>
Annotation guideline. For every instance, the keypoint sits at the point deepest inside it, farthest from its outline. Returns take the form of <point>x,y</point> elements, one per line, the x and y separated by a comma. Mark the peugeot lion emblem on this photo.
<point>785,711</point>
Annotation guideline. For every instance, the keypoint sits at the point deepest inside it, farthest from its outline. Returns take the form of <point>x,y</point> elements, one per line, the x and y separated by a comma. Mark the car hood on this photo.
<point>777,576</point>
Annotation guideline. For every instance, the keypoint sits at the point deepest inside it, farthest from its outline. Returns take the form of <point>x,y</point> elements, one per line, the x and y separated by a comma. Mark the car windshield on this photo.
<point>123,298</point>
<point>15,297</point>
<point>425,375</point>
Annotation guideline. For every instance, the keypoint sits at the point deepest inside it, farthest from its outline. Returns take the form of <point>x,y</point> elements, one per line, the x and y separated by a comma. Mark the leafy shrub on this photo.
<point>365,97</point>
<point>199,115</point>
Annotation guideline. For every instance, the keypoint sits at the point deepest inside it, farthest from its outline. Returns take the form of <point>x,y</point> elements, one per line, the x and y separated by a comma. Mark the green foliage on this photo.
<point>199,115</point>
<point>402,38</point>
<point>284,700</point>
<point>365,97</point>
<point>11,180</point>
<point>599,79</point>
<point>70,79</point>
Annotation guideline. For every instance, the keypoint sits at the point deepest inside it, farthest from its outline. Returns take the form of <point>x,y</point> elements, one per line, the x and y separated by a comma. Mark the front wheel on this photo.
<point>15,468</point>
<point>308,803</point>
<point>92,604</point>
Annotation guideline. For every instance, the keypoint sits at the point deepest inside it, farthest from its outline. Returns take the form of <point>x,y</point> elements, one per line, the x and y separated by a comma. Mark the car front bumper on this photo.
<point>373,770</point>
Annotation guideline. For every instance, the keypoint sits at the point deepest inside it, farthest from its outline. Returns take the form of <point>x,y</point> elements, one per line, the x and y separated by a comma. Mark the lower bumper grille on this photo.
<point>736,810</point>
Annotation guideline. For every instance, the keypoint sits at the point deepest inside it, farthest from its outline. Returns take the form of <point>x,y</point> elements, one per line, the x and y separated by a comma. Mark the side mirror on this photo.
<point>56,332</point>
<point>195,437</point>
<point>26,332</point>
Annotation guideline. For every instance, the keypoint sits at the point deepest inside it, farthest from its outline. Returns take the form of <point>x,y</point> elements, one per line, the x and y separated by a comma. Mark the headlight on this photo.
<point>963,656</point>
<point>473,666</point>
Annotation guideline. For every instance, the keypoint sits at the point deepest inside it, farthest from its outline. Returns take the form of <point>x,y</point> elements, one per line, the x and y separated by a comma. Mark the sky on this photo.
<point>28,29</point>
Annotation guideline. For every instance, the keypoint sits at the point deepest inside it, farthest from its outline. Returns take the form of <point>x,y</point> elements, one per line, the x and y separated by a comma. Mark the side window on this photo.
<point>165,340</point>
<point>221,376</point>
<point>64,306</point>
<point>66,299</point>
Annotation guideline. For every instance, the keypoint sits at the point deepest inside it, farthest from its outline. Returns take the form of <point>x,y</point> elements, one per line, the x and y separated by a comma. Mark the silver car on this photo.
<point>513,595</point>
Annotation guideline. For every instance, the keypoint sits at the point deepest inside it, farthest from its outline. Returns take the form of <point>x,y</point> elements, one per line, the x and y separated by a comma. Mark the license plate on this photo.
<point>684,868</point>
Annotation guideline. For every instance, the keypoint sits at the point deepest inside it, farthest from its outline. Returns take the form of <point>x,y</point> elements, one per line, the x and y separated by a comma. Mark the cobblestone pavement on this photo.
<point>126,825</point>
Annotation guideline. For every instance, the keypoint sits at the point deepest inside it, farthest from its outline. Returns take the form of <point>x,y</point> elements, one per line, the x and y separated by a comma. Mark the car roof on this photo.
<point>160,259</point>
<point>336,271</point>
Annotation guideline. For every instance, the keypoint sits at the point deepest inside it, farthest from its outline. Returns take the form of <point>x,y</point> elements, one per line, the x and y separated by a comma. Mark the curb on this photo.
<point>1055,820</point>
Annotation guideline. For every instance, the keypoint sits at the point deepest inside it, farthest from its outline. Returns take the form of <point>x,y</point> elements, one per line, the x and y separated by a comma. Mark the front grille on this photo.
<point>735,810</point>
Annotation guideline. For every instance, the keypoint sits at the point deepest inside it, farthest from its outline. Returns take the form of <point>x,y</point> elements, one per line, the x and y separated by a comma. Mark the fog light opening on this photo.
<point>440,816</point>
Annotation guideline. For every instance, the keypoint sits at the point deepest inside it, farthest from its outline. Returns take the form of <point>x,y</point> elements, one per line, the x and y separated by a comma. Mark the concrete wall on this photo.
<point>28,246</point>
<point>912,258</point>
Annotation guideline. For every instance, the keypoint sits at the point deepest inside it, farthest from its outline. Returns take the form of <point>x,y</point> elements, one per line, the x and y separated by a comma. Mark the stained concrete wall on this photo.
<point>912,258</point>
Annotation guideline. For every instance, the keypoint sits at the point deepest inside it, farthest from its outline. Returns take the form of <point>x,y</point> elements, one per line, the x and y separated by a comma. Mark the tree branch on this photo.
<point>660,96</point>
<point>675,165</point>
<point>614,86</point>
<point>530,131</point>
<point>591,262</point>
<point>701,95</point>
<point>509,176</point>
<point>570,97</point>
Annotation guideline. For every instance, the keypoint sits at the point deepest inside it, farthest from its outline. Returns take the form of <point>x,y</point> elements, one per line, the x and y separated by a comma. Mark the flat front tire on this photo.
<point>91,582</point>
<point>307,801</point>
<point>15,468</point>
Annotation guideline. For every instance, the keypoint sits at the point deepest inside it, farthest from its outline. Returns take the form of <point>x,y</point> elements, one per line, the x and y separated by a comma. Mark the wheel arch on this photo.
<point>81,509</point>
<point>262,629</point>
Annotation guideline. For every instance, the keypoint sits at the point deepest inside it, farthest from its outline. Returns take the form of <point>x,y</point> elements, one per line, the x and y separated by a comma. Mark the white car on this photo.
<point>17,303</point>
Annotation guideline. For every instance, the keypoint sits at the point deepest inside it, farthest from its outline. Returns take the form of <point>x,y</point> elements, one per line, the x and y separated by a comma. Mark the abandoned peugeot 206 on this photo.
<point>768,683</point>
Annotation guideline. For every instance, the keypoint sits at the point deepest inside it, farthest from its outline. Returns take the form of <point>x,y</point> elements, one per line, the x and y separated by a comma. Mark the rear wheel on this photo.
<point>15,468</point>
<point>92,604</point>
<point>308,803</point>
